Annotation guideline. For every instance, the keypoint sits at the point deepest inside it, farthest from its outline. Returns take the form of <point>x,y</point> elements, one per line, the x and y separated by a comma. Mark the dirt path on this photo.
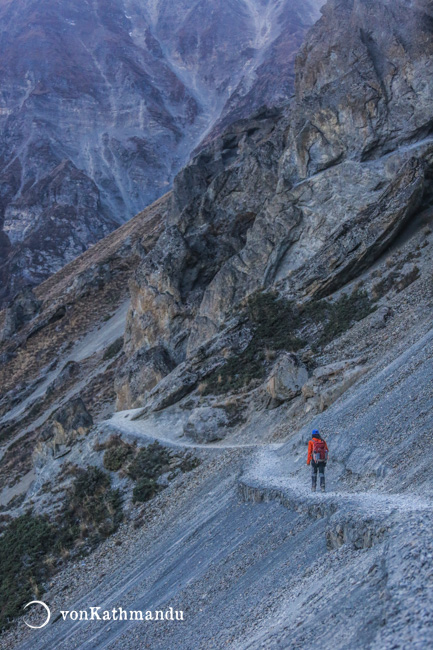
<point>268,476</point>
<point>168,430</point>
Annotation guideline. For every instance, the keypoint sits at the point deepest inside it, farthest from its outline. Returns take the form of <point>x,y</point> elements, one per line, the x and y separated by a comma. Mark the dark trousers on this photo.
<point>320,467</point>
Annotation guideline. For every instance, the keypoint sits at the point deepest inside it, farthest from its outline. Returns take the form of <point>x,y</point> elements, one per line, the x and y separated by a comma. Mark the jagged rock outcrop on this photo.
<point>23,308</point>
<point>215,200</point>
<point>142,372</point>
<point>361,85</point>
<point>67,424</point>
<point>303,199</point>
<point>111,99</point>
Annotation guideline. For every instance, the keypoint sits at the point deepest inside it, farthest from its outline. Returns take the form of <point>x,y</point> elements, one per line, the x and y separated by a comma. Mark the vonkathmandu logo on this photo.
<point>115,614</point>
<point>120,614</point>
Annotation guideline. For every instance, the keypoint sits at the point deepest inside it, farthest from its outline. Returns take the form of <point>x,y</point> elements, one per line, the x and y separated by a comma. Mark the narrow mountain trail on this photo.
<point>169,431</point>
<point>267,479</point>
<point>249,525</point>
<point>268,476</point>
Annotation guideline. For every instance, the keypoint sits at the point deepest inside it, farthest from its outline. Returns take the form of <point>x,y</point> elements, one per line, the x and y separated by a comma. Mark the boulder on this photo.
<point>90,280</point>
<point>65,426</point>
<point>380,317</point>
<point>287,377</point>
<point>206,424</point>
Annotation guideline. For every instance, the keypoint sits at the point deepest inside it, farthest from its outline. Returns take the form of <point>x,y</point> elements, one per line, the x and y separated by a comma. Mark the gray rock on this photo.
<point>140,374</point>
<point>91,279</point>
<point>23,308</point>
<point>206,424</point>
<point>380,317</point>
<point>66,425</point>
<point>69,371</point>
<point>287,377</point>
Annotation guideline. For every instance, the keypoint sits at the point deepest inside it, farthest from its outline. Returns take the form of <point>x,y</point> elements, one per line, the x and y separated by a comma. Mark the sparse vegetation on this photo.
<point>31,548</point>
<point>145,465</point>
<point>395,280</point>
<point>145,489</point>
<point>115,458</point>
<point>117,453</point>
<point>341,314</point>
<point>23,546</point>
<point>113,349</point>
<point>150,462</point>
<point>281,324</point>
<point>93,510</point>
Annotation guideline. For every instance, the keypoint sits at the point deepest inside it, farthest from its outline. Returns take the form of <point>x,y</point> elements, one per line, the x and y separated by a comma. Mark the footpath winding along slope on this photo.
<point>249,573</point>
<point>267,477</point>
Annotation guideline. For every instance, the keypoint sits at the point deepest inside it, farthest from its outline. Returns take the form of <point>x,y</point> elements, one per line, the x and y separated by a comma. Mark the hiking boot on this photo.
<point>322,487</point>
<point>313,488</point>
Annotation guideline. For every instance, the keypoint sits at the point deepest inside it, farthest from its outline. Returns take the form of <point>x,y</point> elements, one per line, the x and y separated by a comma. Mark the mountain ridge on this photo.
<point>285,284</point>
<point>118,97</point>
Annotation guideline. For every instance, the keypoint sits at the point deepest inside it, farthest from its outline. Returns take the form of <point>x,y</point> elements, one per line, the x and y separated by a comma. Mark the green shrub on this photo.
<point>23,546</point>
<point>280,324</point>
<point>341,314</point>
<point>150,462</point>
<point>92,510</point>
<point>113,349</point>
<point>115,457</point>
<point>145,489</point>
<point>275,321</point>
<point>237,372</point>
<point>30,546</point>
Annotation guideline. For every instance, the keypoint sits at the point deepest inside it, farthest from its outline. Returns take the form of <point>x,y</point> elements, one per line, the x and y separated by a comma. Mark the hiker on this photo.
<point>317,456</point>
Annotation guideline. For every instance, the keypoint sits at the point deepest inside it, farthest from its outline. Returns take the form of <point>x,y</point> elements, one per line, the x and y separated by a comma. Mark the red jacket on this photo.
<point>310,450</point>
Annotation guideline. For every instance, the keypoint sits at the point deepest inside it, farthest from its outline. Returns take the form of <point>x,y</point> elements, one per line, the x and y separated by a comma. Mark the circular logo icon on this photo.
<point>39,602</point>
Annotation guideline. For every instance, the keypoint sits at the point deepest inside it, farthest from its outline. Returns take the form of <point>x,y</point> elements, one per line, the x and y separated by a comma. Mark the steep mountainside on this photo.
<point>285,284</point>
<point>303,201</point>
<point>102,102</point>
<point>65,340</point>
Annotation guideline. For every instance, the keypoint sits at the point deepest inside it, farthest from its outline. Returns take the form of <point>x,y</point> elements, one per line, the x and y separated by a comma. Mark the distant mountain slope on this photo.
<point>102,102</point>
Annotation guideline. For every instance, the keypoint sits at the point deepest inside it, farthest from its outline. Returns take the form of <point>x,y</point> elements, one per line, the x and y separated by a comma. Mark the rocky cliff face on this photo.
<point>286,284</point>
<point>102,102</point>
<point>302,200</point>
<point>62,341</point>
